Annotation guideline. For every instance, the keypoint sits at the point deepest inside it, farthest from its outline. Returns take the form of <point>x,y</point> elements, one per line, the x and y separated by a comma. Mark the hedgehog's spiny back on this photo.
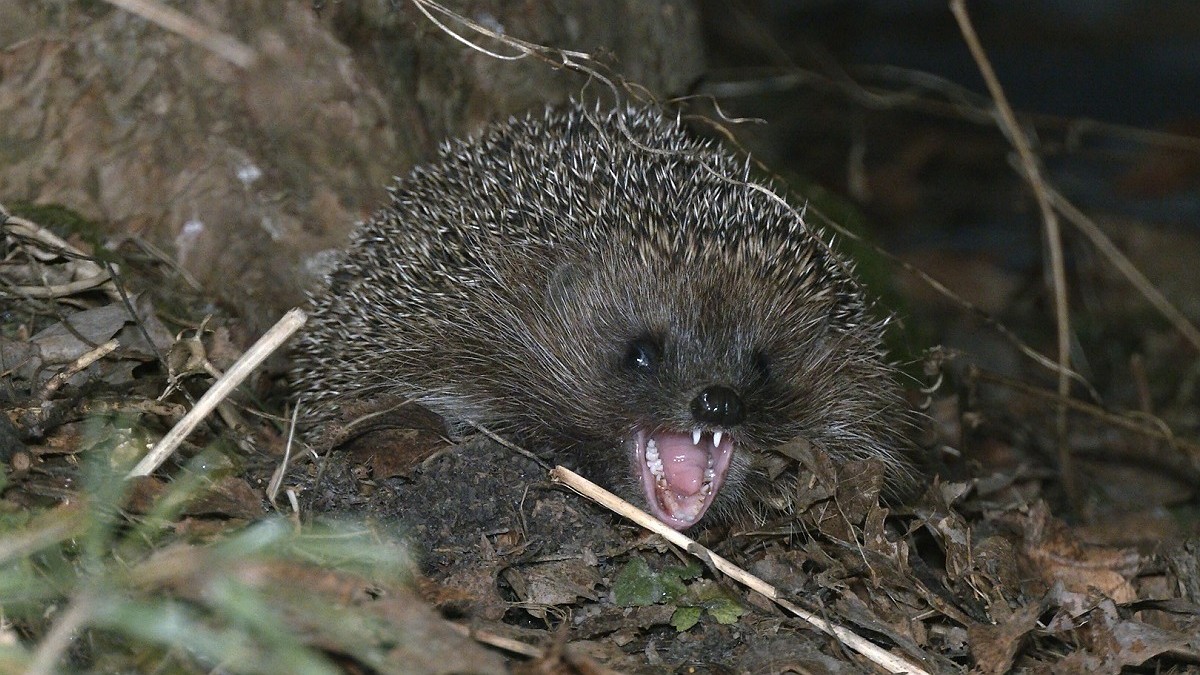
<point>569,178</point>
<point>574,175</point>
<point>432,296</point>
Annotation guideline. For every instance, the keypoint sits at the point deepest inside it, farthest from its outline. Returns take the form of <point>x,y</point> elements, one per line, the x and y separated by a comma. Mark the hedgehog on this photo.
<point>616,294</point>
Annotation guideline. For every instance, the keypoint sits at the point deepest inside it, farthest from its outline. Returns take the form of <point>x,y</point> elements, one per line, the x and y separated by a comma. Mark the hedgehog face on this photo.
<point>687,381</point>
<point>680,463</point>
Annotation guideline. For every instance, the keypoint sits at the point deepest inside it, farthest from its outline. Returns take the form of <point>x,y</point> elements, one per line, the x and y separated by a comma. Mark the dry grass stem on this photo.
<point>281,470</point>
<point>870,650</point>
<point>524,47</point>
<point>579,62</point>
<point>512,446</point>
<point>239,371</point>
<point>169,18</point>
<point>943,290</point>
<point>1091,230</point>
<point>50,246</point>
<point>497,641</point>
<point>1062,319</point>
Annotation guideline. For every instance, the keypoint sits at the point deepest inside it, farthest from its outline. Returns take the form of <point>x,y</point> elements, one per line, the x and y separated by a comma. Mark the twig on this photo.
<point>511,446</point>
<point>1016,136</point>
<point>950,100</point>
<point>160,255</point>
<point>138,321</point>
<point>497,641</point>
<point>870,650</point>
<point>1119,260</point>
<point>976,311</point>
<point>580,62</point>
<point>239,371</point>
<point>446,29</point>
<point>131,407</point>
<point>58,246</point>
<point>171,19</point>
<point>525,47</point>
<point>58,290</point>
<point>87,359</point>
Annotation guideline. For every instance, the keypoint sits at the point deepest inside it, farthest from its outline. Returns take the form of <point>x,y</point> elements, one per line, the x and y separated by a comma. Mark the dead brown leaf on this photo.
<point>995,646</point>
<point>1112,643</point>
<point>1056,555</point>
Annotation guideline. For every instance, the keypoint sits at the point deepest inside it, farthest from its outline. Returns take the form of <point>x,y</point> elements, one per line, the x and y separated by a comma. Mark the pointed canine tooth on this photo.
<point>696,436</point>
<point>716,439</point>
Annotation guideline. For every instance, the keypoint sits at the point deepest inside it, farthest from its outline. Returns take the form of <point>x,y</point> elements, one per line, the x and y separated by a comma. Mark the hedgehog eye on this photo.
<point>642,355</point>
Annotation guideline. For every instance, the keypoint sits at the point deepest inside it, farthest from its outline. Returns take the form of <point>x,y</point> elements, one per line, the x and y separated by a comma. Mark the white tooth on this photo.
<point>696,436</point>
<point>716,439</point>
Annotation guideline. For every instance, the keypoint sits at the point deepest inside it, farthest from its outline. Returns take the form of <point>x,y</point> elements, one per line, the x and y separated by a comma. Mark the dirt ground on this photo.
<point>164,205</point>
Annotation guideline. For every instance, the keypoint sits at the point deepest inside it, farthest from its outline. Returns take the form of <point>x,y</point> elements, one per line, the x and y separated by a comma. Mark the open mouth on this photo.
<point>681,472</point>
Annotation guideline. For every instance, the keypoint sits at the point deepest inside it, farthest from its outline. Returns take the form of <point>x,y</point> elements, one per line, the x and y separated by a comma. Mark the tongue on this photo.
<point>684,465</point>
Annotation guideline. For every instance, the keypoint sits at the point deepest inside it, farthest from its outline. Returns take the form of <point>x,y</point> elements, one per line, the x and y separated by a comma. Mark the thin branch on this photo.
<point>88,272</point>
<point>498,641</point>
<point>239,371</point>
<point>1155,428</point>
<point>76,366</point>
<point>1119,260</point>
<point>281,470</point>
<point>1016,136</point>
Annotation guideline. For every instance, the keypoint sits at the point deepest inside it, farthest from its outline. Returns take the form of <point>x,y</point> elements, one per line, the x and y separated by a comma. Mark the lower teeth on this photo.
<point>654,463</point>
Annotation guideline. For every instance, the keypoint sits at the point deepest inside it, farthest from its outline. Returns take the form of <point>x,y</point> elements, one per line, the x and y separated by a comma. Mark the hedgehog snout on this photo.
<point>718,405</point>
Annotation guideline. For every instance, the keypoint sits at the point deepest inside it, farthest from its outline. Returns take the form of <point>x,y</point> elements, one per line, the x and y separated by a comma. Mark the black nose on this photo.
<point>718,405</point>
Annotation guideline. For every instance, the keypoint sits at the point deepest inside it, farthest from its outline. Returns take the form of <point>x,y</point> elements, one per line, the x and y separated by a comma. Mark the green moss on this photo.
<point>58,219</point>
<point>66,223</point>
<point>636,585</point>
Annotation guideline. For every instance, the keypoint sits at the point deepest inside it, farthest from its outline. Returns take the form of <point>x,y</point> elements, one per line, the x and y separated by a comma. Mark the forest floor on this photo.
<point>1059,534</point>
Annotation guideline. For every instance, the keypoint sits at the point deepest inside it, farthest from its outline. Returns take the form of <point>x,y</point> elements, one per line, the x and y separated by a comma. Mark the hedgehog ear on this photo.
<point>563,284</point>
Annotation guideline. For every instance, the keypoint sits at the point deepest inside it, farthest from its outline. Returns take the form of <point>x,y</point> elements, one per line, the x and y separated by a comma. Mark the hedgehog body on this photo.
<point>609,290</point>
